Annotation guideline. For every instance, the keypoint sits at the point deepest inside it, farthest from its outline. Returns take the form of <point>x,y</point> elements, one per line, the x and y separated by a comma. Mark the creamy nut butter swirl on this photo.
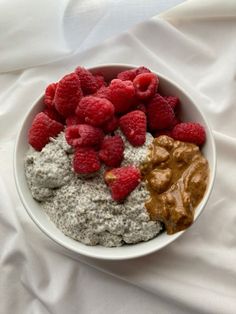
<point>176,175</point>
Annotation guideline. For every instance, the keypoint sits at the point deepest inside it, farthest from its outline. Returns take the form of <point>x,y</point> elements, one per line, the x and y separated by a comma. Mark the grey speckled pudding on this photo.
<point>83,209</point>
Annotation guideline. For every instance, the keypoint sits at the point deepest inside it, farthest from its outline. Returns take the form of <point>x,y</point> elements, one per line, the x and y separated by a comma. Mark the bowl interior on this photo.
<point>191,112</point>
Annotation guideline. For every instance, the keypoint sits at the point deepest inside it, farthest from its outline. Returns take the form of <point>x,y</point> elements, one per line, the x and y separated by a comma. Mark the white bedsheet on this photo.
<point>195,45</point>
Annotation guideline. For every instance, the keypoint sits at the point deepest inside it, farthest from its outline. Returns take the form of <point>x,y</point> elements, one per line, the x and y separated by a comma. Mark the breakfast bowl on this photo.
<point>189,112</point>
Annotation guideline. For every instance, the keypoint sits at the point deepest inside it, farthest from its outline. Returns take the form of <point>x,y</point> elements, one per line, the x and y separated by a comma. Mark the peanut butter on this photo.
<point>176,174</point>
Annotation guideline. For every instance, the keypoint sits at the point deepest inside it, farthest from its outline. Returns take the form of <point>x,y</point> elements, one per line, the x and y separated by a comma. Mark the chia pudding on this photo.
<point>84,209</point>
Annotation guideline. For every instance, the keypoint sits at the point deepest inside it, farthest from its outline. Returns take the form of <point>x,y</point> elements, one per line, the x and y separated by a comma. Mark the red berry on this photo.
<point>141,70</point>
<point>94,110</point>
<point>127,75</point>
<point>160,115</point>
<point>53,114</point>
<point>103,92</point>
<point>173,102</point>
<point>122,181</point>
<point>87,81</point>
<point>146,85</point>
<point>111,152</point>
<point>49,95</point>
<point>133,125</point>
<point>189,132</point>
<point>42,129</point>
<point>111,125</point>
<point>86,161</point>
<point>74,120</point>
<point>82,135</point>
<point>68,95</point>
<point>122,95</point>
<point>100,80</point>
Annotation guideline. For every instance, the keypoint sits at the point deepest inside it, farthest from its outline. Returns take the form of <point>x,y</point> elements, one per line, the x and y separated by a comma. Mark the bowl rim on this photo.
<point>111,256</point>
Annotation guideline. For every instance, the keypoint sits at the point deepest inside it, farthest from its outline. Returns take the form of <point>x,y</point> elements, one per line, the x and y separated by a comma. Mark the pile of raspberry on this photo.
<point>90,110</point>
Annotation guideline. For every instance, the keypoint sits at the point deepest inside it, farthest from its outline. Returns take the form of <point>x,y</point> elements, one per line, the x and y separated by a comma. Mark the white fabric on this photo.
<point>195,45</point>
<point>40,32</point>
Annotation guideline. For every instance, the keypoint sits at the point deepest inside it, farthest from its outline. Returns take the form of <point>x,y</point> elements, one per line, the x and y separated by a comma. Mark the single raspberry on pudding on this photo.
<point>134,126</point>
<point>42,129</point>
<point>68,95</point>
<point>112,151</point>
<point>122,181</point>
<point>111,125</point>
<point>82,135</point>
<point>49,95</point>
<point>86,160</point>
<point>122,95</point>
<point>87,81</point>
<point>189,132</point>
<point>94,110</point>
<point>146,85</point>
<point>160,115</point>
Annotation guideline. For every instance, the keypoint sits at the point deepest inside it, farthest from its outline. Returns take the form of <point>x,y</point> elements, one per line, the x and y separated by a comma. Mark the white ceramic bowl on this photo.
<point>190,112</point>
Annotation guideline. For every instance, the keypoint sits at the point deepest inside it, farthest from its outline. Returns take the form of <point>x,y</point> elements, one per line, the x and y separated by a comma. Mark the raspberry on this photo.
<point>100,80</point>
<point>141,70</point>
<point>87,81</point>
<point>103,92</point>
<point>86,160</point>
<point>133,125</point>
<point>173,102</point>
<point>122,95</point>
<point>53,114</point>
<point>49,94</point>
<point>160,115</point>
<point>111,125</point>
<point>68,94</point>
<point>127,75</point>
<point>122,181</point>
<point>42,129</point>
<point>73,120</point>
<point>189,132</point>
<point>146,85</point>
<point>94,110</point>
<point>111,152</point>
<point>83,135</point>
